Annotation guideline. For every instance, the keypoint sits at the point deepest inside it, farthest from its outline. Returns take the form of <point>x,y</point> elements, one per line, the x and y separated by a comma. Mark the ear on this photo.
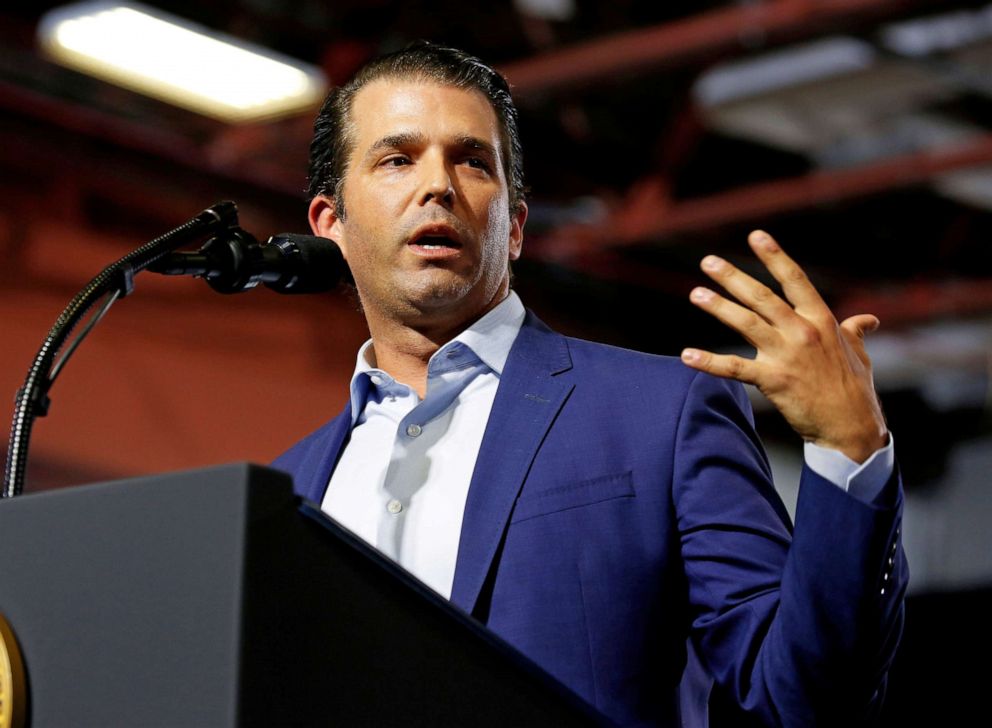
<point>517,222</point>
<point>324,221</point>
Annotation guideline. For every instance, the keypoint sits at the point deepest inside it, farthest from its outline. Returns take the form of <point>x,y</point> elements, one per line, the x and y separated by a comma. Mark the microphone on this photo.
<point>235,261</point>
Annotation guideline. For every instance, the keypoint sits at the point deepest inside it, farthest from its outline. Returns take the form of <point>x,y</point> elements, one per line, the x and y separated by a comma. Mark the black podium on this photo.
<point>216,598</point>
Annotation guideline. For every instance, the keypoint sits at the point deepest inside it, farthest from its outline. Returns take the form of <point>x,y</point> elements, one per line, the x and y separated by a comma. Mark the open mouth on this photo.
<point>436,242</point>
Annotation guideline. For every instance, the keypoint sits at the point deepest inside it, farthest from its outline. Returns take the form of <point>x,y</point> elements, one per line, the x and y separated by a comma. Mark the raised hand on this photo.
<point>815,371</point>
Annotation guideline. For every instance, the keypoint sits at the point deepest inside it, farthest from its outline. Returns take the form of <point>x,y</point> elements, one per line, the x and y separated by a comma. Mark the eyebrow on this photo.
<point>405,139</point>
<point>471,142</point>
<point>392,141</point>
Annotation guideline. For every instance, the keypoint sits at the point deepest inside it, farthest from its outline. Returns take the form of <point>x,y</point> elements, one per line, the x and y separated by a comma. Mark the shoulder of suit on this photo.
<point>582,349</point>
<point>657,370</point>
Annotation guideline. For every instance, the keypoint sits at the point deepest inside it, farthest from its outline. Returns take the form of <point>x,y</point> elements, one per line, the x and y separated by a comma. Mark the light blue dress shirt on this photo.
<point>402,481</point>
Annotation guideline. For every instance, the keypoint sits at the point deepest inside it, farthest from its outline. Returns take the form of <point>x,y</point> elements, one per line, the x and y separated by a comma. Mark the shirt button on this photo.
<point>414,430</point>
<point>376,379</point>
<point>394,506</point>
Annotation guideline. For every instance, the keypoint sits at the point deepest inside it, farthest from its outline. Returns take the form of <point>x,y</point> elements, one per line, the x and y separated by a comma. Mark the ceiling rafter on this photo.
<point>680,42</point>
<point>649,215</point>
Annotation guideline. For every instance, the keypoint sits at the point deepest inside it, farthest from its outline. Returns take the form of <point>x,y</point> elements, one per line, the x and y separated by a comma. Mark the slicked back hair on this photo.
<point>333,129</point>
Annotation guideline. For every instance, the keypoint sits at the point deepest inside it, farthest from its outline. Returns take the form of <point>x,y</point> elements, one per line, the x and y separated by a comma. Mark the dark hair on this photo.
<point>332,129</point>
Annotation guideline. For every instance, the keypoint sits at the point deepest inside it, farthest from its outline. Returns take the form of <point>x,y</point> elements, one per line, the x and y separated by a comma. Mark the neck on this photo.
<point>403,349</point>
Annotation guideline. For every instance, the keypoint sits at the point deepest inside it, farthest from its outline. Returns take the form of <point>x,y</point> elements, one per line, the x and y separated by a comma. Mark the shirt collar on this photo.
<point>490,338</point>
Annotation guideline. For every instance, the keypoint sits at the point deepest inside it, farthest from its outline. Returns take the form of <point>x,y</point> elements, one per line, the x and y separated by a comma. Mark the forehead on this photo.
<point>387,107</point>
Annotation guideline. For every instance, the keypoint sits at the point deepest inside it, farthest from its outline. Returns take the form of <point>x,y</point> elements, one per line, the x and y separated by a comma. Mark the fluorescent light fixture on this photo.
<point>939,33</point>
<point>179,62</point>
<point>807,63</point>
<point>559,10</point>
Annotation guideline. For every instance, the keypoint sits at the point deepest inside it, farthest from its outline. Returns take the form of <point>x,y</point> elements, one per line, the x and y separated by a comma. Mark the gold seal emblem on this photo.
<point>13,696</point>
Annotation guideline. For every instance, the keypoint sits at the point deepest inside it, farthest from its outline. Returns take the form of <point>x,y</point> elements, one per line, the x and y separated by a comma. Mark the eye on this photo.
<point>395,161</point>
<point>478,163</point>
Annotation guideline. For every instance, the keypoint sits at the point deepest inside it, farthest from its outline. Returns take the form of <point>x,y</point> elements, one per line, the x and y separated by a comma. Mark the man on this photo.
<point>593,506</point>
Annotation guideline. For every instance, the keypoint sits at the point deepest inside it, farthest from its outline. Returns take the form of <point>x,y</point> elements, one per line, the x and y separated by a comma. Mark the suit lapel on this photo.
<point>527,402</point>
<point>319,460</point>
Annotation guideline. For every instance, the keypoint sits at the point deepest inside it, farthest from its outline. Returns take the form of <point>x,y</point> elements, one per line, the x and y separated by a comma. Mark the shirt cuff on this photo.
<point>864,481</point>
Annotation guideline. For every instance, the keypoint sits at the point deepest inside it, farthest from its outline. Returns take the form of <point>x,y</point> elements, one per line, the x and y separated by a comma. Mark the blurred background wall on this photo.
<point>858,132</point>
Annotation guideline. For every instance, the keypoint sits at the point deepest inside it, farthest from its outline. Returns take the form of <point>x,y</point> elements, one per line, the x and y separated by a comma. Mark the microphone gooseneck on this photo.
<point>113,282</point>
<point>231,261</point>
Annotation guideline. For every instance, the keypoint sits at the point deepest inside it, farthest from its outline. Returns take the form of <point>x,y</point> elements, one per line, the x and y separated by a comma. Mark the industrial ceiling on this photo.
<point>856,131</point>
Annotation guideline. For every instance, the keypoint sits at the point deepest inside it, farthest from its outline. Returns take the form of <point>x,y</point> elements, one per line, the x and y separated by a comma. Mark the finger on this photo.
<point>861,324</point>
<point>745,322</point>
<point>795,284</point>
<point>728,366</point>
<point>752,293</point>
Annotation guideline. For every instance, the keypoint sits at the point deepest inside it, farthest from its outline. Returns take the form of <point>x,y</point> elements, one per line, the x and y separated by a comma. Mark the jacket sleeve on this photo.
<point>796,628</point>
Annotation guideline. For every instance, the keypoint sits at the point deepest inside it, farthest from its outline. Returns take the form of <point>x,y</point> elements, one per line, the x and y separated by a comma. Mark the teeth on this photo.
<point>434,242</point>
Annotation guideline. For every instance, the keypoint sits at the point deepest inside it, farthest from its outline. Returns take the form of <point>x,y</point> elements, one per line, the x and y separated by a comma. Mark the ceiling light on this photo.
<point>939,33</point>
<point>806,63</point>
<point>179,62</point>
<point>558,10</point>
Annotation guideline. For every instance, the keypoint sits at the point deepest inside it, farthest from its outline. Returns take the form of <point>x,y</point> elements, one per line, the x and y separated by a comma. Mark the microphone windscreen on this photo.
<point>313,264</point>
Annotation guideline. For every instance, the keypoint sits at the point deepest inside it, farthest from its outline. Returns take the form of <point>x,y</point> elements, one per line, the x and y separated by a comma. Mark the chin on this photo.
<point>440,299</point>
<point>440,290</point>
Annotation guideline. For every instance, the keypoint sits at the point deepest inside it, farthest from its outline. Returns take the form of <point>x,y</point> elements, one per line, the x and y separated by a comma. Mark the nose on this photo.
<point>438,186</point>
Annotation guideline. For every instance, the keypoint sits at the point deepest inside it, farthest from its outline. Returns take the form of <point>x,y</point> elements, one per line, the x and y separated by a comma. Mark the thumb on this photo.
<point>861,324</point>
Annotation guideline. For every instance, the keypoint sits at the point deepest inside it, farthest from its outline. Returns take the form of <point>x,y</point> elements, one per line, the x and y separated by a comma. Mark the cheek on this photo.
<point>357,244</point>
<point>365,221</point>
<point>498,227</point>
<point>367,207</point>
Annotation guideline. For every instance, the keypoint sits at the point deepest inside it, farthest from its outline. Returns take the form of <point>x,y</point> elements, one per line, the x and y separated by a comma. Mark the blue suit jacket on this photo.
<point>621,502</point>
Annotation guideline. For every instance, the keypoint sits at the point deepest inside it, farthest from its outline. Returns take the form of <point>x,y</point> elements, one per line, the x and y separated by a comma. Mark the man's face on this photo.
<point>427,232</point>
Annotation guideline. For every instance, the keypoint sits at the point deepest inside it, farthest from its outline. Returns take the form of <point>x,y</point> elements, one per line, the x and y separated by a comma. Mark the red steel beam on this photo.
<point>910,303</point>
<point>644,221</point>
<point>142,137</point>
<point>677,42</point>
